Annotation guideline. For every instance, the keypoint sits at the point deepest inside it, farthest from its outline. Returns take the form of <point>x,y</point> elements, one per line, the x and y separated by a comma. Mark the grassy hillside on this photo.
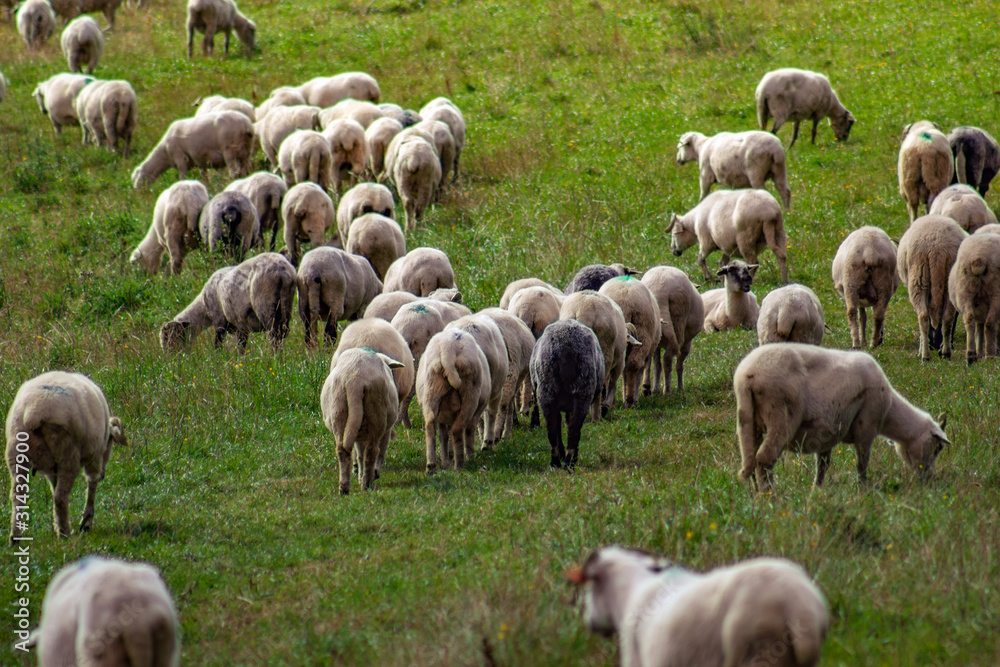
<point>574,110</point>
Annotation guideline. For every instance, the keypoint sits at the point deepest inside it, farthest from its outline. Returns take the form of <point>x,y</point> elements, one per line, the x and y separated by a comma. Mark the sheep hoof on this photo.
<point>431,468</point>
<point>970,359</point>
<point>604,411</point>
<point>646,390</point>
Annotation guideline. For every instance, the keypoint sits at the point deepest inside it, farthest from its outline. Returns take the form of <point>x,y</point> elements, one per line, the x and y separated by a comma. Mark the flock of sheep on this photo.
<point>543,350</point>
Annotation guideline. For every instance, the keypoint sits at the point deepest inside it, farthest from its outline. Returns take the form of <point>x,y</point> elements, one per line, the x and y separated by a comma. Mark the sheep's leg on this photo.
<point>175,248</point>
<point>242,338</point>
<point>705,182</point>
<point>924,322</point>
<point>366,468</point>
<point>330,330</point>
<point>344,459</point>
<point>863,316</point>
<point>879,326</point>
<point>404,410</point>
<point>190,38</point>
<point>970,338</point>
<point>60,492</point>
<point>852,320</point>
<point>458,444</point>
<point>430,428</point>
<point>488,425</point>
<point>863,450</point>
<point>776,242</point>
<point>553,425</point>
<point>814,128</point>
<point>383,449</point>
<point>88,512</point>
<point>454,171</point>
<point>822,465</point>
<point>685,350</point>
<point>574,425</point>
<point>779,433</point>
<point>74,62</point>
<point>704,267</point>
<point>795,132</point>
<point>990,331</point>
<point>651,375</point>
<point>225,47</point>
<point>208,44</point>
<point>446,454</point>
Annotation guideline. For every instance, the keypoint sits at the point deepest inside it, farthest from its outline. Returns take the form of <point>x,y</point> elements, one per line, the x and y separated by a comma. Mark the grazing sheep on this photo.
<point>591,277</point>
<point>108,111</point>
<point>349,150</point>
<point>642,311</point>
<point>219,103</point>
<point>977,157</point>
<point>988,229</point>
<point>361,111</point>
<point>965,206</point>
<point>279,123</point>
<point>333,286</point>
<point>732,305</point>
<point>255,295</point>
<point>444,300</point>
<point>211,16</point>
<point>283,96</point>
<point>537,307</point>
<point>82,41</point>
<point>806,399</point>
<point>790,314</point>
<point>739,222</point>
<point>923,261</point>
<point>266,191</point>
<point>420,272</point>
<point>519,343</point>
<point>740,160</point>
<point>449,309</point>
<point>217,139</point>
<point>682,317</point>
<point>974,289</point>
<point>518,285</point>
<point>378,335</point>
<point>405,117</point>
<point>35,22</point>
<point>305,155</point>
<point>444,146</point>
<point>363,198</point>
<point>59,423</point>
<point>487,334</point>
<point>925,165</point>
<point>378,239</point>
<point>174,228</point>
<point>392,149</point>
<point>229,224</point>
<point>798,95</point>
<point>864,275</point>
<point>567,376</point>
<point>444,110</point>
<point>325,91</point>
<point>417,323</point>
<point>103,612</point>
<point>56,98</point>
<point>308,213</point>
<point>377,138</point>
<point>70,9</point>
<point>388,303</point>
<point>416,175</point>
<point>762,611</point>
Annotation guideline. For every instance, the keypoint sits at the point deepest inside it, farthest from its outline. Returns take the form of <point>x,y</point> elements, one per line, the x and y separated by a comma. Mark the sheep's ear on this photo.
<point>906,130</point>
<point>632,272</point>
<point>851,118</point>
<point>942,420</point>
<point>389,361</point>
<point>673,222</point>
<point>197,102</point>
<point>753,268</point>
<point>723,270</point>
<point>117,431</point>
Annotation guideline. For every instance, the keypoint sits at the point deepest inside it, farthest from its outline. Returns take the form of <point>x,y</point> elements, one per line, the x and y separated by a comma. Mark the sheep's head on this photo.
<point>117,434</point>
<point>682,235</point>
<point>140,177</point>
<point>39,94</point>
<point>686,151</point>
<point>738,275</point>
<point>921,452</point>
<point>842,126</point>
<point>174,336</point>
<point>248,34</point>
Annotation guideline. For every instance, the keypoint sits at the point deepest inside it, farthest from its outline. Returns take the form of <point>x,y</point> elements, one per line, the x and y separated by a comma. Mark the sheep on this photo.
<point>420,272</point>
<point>70,9</point>
<point>537,307</point>
<point>790,314</point>
<point>104,612</point>
<point>443,109</point>
<point>487,334</point>
<point>988,229</point>
<point>807,399</point>
<point>59,423</point>
<point>641,310</point>
<point>280,122</point>
<point>347,145</point>
<point>283,96</point>
<point>35,22</point>
<point>449,309</point>
<point>925,165</point>
<point>325,91</point>
<point>444,146</point>
<point>798,95</point>
<point>360,408</point>
<point>333,286</point>
<point>864,275</point>
<point>974,289</point>
<point>217,139</point>
<point>737,160</point>
<point>733,305</point>
<point>211,16</point>
<point>416,175</point>
<point>361,199</point>
<point>739,222</point>
<point>229,223</point>
<point>567,376</point>
<point>416,323</point>
<point>305,155</point>
<point>174,228</point>
<point>378,239</point>
<point>266,191</point>
<point>219,103</point>
<point>979,152</point>
<point>388,303</point>
<point>405,117</point>
<point>519,342</point>
<point>108,111</point>
<point>362,111</point>
<point>444,300</point>
<point>923,261</point>
<point>255,295</point>
<point>377,138</point>
<point>682,317</point>
<point>965,206</point>
<point>392,149</point>
<point>762,611</point>
<point>82,41</point>
<point>308,213</point>
<point>517,285</point>
<point>56,98</point>
<point>592,276</point>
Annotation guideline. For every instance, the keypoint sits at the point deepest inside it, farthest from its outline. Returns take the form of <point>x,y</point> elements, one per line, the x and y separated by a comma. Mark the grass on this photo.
<point>574,110</point>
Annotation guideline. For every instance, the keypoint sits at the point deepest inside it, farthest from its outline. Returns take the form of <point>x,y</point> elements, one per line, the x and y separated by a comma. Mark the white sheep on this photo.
<point>974,289</point>
<point>807,399</point>
<point>965,206</point>
<point>215,140</point>
<point>392,149</point>
<point>737,160</point>
<point>266,191</point>
<point>58,424</point>
<point>333,286</point>
<point>174,228</point>
<point>212,16</point>
<point>388,303</point>
<point>325,91</point>
<point>988,229</point>
<point>219,103</point>
<point>82,41</point>
<point>108,111</point>
<point>924,259</point>
<point>363,198</point>
<point>537,307</point>
<point>274,128</point>
<point>864,275</point>
<point>70,9</point>
<point>444,145</point>
<point>229,224</point>
<point>56,98</point>
<point>925,165</point>
<point>977,157</point>
<point>348,148</point>
<point>362,111</point>
<point>308,212</point>
<point>104,612</point>
<point>443,109</point>
<point>487,334</point>
<point>798,95</point>
<point>378,239</point>
<point>417,323</point>
<point>519,342</point>
<point>282,96</point>
<point>517,285</point>
<point>790,314</point>
<point>641,310</point>
<point>405,117</point>
<point>420,272</point>
<point>733,305</point>
<point>762,611</point>
<point>416,175</point>
<point>377,138</point>
<point>682,317</point>
<point>35,22</point>
<point>305,155</point>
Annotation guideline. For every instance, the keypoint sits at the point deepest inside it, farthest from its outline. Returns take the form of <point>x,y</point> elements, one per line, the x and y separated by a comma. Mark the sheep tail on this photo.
<point>449,357</point>
<point>314,163</point>
<point>786,323</point>
<point>960,161</point>
<point>355,413</point>
<point>315,289</point>
<point>762,112</point>
<point>667,331</point>
<point>939,271</point>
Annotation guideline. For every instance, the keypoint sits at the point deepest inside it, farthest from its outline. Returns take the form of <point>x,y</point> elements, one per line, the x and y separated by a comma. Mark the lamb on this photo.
<point>417,323</point>
<point>59,423</point>
<point>798,95</point>
<point>518,285</point>
<point>682,317</point>
<point>592,276</point>
<point>378,239</point>
<point>807,399</point>
<point>174,228</point>
<point>219,103</point>
<point>923,261</point>
<point>348,148</point>
<point>305,156</point>
<point>325,91</point>
<point>405,117</point>
<point>280,122</point>
<point>739,222</point>
<point>537,307</point>
<point>82,41</point>
<point>211,16</point>
<point>790,314</point>
<point>740,160</point>
<point>360,407</point>
<point>444,146</point>
<point>965,206</point>
<point>974,289</point>
<point>283,96</point>
<point>443,109</point>
<point>487,335</point>
<point>361,199</point>
<point>255,295</point>
<point>925,165</point>
<point>377,138</point>
<point>70,9</point>
<point>733,305</point>
<point>104,612</point>
<point>762,611</point>
<point>108,111</point>
<point>56,98</point>
<point>266,191</point>
<point>567,376</point>
<point>420,272</point>
<point>416,175</point>
<point>362,111</point>
<point>519,342</point>
<point>641,310</point>
<point>217,139</point>
<point>864,274</point>
<point>979,152</point>
<point>333,286</point>
<point>229,223</point>
<point>308,213</point>
<point>35,22</point>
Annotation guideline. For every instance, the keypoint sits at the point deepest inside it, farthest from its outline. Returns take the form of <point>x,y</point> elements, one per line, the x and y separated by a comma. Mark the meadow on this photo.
<point>229,484</point>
